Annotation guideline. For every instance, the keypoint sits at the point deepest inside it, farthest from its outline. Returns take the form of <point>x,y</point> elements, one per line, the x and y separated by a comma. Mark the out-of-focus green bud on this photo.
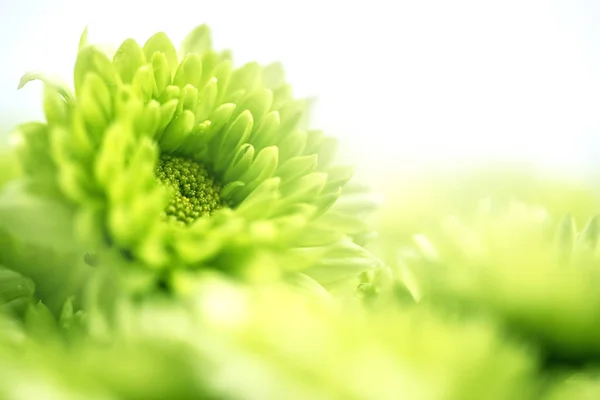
<point>40,323</point>
<point>16,292</point>
<point>162,73</point>
<point>189,72</point>
<point>128,59</point>
<point>160,43</point>
<point>198,41</point>
<point>143,82</point>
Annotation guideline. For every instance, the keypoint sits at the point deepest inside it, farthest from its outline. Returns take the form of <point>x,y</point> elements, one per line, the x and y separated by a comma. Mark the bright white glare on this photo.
<point>404,83</point>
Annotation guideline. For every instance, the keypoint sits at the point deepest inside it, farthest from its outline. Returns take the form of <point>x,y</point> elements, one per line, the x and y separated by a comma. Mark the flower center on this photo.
<point>196,194</point>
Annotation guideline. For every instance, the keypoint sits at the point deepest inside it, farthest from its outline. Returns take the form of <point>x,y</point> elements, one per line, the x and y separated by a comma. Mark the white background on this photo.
<point>404,83</point>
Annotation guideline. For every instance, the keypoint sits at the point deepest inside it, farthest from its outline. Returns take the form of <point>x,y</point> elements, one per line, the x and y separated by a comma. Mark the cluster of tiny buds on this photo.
<point>196,194</point>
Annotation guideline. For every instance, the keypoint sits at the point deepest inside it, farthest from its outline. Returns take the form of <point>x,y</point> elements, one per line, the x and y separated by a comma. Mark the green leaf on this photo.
<point>198,41</point>
<point>161,43</point>
<point>128,59</point>
<point>53,82</point>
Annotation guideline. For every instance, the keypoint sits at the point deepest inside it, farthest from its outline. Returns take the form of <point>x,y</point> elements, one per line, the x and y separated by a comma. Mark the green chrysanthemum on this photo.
<point>535,274</point>
<point>177,159</point>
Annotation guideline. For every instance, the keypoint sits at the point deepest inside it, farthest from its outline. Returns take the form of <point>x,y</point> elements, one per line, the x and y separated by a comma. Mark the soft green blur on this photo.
<point>478,284</point>
<point>460,340</point>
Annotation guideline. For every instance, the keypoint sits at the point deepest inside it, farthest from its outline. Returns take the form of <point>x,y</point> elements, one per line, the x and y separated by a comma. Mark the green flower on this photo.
<point>179,161</point>
<point>274,344</point>
<point>537,275</point>
<point>235,341</point>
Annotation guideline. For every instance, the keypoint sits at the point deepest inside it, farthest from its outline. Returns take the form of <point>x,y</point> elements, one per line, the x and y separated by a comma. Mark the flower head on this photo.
<point>178,159</point>
<point>536,274</point>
